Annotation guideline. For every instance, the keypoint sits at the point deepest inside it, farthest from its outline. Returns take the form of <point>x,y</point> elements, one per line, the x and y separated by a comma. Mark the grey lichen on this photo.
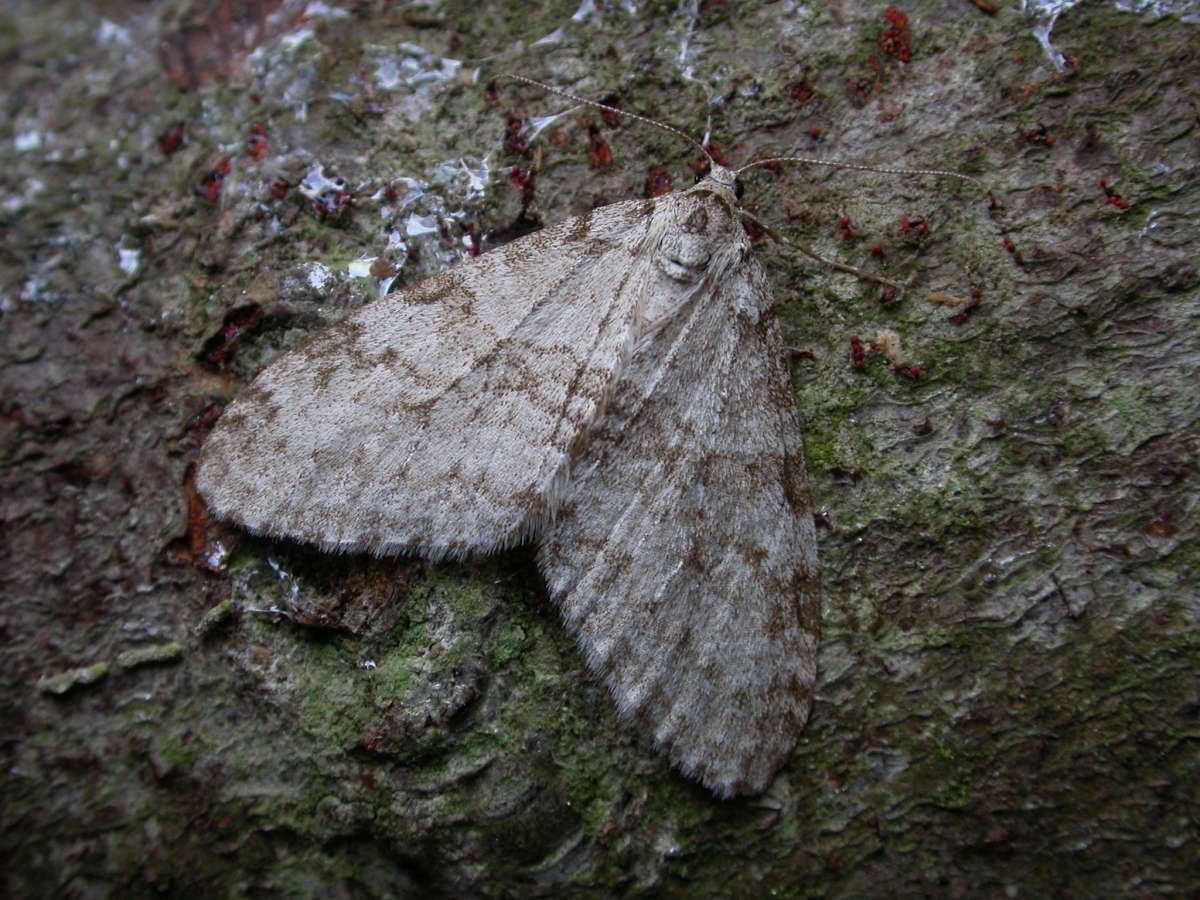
<point>153,654</point>
<point>63,682</point>
<point>212,620</point>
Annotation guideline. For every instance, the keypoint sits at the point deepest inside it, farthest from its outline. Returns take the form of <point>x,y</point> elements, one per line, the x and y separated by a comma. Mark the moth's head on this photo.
<point>721,182</point>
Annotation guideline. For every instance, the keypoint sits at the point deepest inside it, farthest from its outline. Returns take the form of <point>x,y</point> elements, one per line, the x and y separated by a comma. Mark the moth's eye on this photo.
<point>738,190</point>
<point>700,176</point>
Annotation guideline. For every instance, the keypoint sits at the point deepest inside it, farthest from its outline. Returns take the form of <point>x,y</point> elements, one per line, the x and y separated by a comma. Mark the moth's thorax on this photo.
<point>697,233</point>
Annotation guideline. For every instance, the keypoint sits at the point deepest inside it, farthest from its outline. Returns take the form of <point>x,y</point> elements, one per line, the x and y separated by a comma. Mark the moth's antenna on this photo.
<point>885,170</point>
<point>612,109</point>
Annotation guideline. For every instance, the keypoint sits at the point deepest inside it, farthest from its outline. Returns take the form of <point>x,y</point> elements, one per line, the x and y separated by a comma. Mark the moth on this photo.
<point>613,387</point>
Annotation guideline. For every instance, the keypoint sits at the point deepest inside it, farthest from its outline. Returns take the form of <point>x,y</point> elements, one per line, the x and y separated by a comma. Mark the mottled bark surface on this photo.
<point>1008,702</point>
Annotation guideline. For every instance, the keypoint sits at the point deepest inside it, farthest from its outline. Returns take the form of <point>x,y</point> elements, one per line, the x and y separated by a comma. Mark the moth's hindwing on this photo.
<point>684,558</point>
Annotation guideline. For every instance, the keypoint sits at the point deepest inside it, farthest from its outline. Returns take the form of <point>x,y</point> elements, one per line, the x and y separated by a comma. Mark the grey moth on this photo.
<point>613,388</point>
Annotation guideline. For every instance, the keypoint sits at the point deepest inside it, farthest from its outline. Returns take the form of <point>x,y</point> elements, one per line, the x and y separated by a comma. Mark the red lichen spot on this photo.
<point>491,96</point>
<point>333,204</point>
<point>523,180</point>
<point>796,355</point>
<point>210,186</point>
<point>658,182</point>
<point>171,139</point>
<point>1111,196</point>
<point>846,228</point>
<point>967,308</point>
<point>471,232</point>
<point>611,117</point>
<point>997,425</point>
<point>256,142</point>
<point>1162,525</point>
<point>887,295</point>
<point>917,227</point>
<point>909,371</point>
<point>238,323</point>
<point>896,39</point>
<point>877,249</point>
<point>860,91</point>
<point>858,354</point>
<point>801,92</point>
<point>1039,135</point>
<point>559,139</point>
<point>753,230</point>
<point>923,428</point>
<point>514,135</point>
<point>390,194</point>
<point>599,154</point>
<point>814,133</point>
<point>1014,252</point>
<point>279,188</point>
<point>519,177</point>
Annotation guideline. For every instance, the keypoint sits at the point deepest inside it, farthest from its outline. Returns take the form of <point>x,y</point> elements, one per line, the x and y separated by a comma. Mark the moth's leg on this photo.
<point>812,254</point>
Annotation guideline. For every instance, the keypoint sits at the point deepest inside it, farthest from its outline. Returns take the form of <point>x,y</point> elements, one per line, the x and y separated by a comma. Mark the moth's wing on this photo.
<point>438,419</point>
<point>684,557</point>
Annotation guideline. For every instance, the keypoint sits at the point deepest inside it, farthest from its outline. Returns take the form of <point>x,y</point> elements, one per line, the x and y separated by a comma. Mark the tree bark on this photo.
<point>1008,700</point>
